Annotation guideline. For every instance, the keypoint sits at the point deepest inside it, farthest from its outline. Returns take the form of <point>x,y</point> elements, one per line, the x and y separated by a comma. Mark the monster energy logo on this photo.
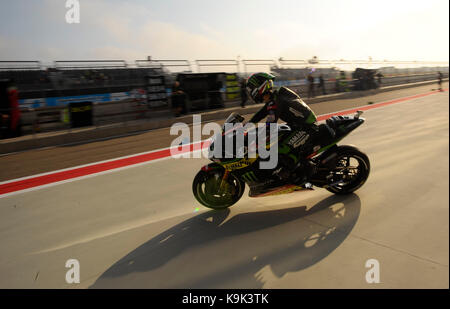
<point>249,177</point>
<point>254,82</point>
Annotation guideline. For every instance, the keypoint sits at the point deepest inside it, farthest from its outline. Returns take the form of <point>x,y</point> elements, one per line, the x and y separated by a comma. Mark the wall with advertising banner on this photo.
<point>95,98</point>
<point>287,83</point>
<point>231,88</point>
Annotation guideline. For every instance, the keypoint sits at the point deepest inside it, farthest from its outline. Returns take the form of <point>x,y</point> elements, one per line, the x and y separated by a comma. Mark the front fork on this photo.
<point>223,182</point>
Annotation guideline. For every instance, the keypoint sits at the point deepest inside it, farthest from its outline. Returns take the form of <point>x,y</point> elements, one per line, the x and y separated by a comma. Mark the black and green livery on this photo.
<point>338,169</point>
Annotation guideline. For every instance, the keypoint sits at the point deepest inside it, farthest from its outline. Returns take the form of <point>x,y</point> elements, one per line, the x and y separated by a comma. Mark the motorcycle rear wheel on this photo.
<point>350,172</point>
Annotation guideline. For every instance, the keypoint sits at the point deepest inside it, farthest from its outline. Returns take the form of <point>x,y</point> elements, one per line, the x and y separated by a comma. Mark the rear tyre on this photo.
<point>206,189</point>
<point>350,172</point>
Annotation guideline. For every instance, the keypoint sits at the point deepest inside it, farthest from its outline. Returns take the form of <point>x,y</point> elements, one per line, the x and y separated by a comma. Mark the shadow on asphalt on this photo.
<point>213,251</point>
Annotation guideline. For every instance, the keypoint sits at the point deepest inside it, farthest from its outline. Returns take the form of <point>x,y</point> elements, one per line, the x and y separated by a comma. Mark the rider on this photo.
<point>286,105</point>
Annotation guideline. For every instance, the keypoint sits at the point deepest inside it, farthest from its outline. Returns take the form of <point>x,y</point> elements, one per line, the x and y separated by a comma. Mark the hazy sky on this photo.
<point>211,29</point>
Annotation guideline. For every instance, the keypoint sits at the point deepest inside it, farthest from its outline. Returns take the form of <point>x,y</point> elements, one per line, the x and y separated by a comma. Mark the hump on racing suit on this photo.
<point>287,106</point>
<point>292,109</point>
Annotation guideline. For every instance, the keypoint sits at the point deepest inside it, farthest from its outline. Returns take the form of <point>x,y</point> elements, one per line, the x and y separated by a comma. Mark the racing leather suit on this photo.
<point>289,107</point>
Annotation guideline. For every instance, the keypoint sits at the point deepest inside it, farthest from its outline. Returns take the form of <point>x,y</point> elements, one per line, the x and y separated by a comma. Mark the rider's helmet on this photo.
<point>258,84</point>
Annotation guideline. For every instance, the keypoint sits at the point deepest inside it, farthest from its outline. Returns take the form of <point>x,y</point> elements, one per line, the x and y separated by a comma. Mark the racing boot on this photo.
<point>284,169</point>
<point>303,172</point>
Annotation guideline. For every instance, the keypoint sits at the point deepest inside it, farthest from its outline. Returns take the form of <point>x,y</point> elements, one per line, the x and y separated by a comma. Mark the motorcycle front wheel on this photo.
<point>207,191</point>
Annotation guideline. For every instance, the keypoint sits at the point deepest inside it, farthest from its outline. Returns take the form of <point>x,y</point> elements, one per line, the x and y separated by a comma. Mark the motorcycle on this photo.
<point>338,169</point>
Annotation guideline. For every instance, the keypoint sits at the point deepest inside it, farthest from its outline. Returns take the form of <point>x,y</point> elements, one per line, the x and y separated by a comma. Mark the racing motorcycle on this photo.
<point>338,169</point>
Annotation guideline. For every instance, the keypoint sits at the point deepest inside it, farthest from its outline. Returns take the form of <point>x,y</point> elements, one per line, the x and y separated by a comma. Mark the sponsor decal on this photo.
<point>119,96</point>
<point>95,98</point>
<point>81,109</point>
<point>249,177</point>
<point>298,139</point>
<point>224,147</point>
<point>32,103</point>
<point>240,164</point>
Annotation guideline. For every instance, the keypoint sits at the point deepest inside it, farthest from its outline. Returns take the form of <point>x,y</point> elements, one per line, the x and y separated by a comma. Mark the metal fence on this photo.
<point>224,65</point>
<point>169,65</point>
<point>198,66</point>
<point>20,65</point>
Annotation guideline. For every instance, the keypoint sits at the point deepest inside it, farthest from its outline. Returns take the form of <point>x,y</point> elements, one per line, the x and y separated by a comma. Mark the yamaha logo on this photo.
<point>298,139</point>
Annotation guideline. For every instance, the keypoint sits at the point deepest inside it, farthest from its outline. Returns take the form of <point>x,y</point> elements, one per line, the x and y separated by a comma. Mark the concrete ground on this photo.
<point>142,228</point>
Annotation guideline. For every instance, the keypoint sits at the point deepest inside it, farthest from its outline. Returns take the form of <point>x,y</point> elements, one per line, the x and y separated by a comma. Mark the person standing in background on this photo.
<point>322,84</point>
<point>9,110</point>
<point>178,99</point>
<point>310,86</point>
<point>379,76</point>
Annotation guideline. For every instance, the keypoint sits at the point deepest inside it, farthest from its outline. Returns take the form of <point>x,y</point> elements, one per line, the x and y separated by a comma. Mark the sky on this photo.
<point>213,29</point>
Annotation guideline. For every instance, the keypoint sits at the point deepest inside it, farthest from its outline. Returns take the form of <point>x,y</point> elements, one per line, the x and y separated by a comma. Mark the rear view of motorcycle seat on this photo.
<point>336,121</point>
<point>326,131</point>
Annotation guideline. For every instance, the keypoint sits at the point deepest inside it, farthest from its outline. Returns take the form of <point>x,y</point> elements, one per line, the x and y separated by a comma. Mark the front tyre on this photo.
<point>350,172</point>
<point>206,189</point>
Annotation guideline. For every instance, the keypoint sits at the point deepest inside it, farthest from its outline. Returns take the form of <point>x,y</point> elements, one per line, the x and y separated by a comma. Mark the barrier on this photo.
<point>89,64</point>
<point>91,134</point>
<point>127,82</point>
<point>49,119</point>
<point>217,63</point>
<point>168,64</point>
<point>301,63</point>
<point>20,65</point>
<point>266,63</point>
